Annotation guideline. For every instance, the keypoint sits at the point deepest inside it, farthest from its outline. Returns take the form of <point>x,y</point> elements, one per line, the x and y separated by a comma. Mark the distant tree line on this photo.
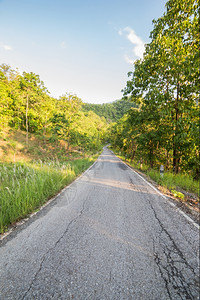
<point>164,128</point>
<point>110,111</point>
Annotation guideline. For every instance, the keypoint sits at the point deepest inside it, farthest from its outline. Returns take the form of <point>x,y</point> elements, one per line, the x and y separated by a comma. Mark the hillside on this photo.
<point>110,111</point>
<point>29,114</point>
<point>13,147</point>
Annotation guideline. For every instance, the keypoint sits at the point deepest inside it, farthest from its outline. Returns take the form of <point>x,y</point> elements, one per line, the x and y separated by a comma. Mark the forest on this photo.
<point>26,105</point>
<point>113,111</point>
<point>164,127</point>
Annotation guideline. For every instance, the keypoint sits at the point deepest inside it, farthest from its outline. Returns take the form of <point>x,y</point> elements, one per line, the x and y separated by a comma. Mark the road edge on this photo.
<point>18,224</point>
<point>161,194</point>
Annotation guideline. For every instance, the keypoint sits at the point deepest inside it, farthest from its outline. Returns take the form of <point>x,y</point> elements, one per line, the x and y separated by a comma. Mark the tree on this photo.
<point>69,105</point>
<point>7,78</point>
<point>32,90</point>
<point>5,112</point>
<point>166,78</point>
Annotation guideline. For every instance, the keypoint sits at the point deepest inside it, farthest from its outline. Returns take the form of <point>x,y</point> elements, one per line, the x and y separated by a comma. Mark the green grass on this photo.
<point>175,181</point>
<point>169,180</point>
<point>24,187</point>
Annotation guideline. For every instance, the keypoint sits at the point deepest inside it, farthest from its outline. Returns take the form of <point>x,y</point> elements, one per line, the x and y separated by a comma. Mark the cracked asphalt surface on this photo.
<point>109,235</point>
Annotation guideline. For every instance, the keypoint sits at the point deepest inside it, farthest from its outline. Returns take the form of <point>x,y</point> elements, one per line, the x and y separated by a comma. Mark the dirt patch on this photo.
<point>13,147</point>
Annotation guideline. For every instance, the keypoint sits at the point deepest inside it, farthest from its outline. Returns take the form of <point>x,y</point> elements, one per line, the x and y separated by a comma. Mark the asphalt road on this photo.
<point>109,235</point>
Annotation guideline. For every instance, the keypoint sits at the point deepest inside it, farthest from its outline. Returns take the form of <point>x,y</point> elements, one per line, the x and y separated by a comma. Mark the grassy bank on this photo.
<point>173,182</point>
<point>24,187</point>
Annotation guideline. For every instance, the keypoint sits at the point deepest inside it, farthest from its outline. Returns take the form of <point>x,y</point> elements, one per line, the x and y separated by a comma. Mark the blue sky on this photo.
<point>82,47</point>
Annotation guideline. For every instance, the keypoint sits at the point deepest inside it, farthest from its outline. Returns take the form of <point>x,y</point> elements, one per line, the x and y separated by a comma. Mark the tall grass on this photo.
<point>175,181</point>
<point>25,187</point>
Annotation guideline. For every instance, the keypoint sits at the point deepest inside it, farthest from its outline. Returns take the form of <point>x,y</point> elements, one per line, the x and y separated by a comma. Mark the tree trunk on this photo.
<point>167,159</point>
<point>68,142</point>
<point>176,159</point>
<point>27,121</point>
<point>151,158</point>
<point>44,131</point>
<point>133,153</point>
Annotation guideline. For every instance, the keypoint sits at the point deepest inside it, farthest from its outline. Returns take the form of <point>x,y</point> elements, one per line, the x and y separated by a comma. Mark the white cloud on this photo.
<point>128,59</point>
<point>139,48</point>
<point>6,47</point>
<point>120,32</point>
<point>63,45</point>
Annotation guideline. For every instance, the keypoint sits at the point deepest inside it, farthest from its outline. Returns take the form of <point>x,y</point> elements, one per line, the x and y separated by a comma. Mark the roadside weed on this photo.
<point>175,181</point>
<point>24,187</point>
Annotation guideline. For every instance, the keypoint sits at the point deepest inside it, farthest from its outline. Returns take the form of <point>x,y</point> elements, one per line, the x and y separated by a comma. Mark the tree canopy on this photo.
<point>165,84</point>
<point>110,111</point>
<point>26,104</point>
